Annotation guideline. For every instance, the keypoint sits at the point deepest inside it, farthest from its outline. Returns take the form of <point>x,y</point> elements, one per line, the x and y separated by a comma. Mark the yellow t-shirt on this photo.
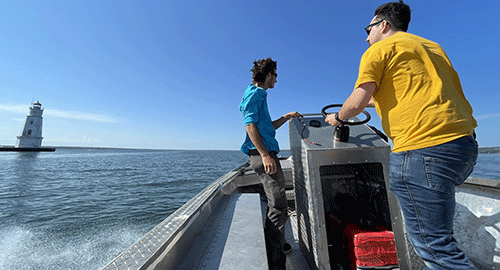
<point>419,97</point>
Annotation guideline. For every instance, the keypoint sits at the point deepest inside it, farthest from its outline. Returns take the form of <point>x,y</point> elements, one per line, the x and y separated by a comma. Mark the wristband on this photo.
<point>338,119</point>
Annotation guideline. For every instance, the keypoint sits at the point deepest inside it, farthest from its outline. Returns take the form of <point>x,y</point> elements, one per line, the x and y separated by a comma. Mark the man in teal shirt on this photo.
<point>254,109</point>
<point>262,147</point>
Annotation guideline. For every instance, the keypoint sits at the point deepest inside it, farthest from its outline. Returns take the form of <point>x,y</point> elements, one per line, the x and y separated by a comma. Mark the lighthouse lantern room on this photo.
<point>31,134</point>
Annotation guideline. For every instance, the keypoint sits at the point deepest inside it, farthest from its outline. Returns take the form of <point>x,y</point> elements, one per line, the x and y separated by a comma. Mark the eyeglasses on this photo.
<point>275,74</point>
<point>369,27</point>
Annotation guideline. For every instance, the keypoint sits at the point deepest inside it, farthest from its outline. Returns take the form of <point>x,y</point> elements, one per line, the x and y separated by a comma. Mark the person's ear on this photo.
<point>385,26</point>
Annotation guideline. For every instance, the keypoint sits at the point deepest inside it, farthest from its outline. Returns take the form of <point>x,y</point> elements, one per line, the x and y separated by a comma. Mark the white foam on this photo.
<point>22,248</point>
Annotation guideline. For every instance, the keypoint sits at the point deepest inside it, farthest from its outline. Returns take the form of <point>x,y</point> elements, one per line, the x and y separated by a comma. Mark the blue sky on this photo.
<point>170,74</point>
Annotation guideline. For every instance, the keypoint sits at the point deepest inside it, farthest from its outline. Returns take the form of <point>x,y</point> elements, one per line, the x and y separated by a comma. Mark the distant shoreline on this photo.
<point>482,150</point>
<point>489,150</point>
<point>139,149</point>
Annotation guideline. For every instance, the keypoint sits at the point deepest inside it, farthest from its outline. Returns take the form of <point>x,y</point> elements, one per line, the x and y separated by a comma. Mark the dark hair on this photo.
<point>263,67</point>
<point>397,14</point>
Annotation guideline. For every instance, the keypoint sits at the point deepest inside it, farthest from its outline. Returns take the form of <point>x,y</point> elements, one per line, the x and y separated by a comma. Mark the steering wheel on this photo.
<point>368,116</point>
<point>341,132</point>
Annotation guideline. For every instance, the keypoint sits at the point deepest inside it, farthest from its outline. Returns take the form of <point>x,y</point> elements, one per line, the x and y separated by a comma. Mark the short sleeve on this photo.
<point>250,108</point>
<point>371,67</point>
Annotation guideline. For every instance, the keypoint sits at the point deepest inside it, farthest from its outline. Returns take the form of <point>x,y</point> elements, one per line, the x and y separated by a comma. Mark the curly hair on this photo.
<point>397,14</point>
<point>263,67</point>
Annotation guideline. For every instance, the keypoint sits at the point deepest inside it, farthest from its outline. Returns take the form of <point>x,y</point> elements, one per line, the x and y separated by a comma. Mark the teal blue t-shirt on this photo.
<point>253,106</point>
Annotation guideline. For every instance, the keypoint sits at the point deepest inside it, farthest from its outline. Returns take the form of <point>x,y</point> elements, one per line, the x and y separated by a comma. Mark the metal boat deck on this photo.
<point>196,235</point>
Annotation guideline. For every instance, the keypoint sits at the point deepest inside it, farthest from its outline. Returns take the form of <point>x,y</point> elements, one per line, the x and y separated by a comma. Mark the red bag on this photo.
<point>350,231</point>
<point>375,249</point>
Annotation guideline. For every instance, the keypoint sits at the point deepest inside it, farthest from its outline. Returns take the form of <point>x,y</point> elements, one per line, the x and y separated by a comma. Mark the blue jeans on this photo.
<point>424,182</point>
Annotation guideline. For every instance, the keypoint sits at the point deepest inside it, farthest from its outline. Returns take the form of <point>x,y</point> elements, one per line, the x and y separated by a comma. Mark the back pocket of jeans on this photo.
<point>443,175</point>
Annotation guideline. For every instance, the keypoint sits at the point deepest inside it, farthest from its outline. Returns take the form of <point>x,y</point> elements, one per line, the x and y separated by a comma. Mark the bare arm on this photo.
<point>254,135</point>
<point>360,98</point>
<point>280,121</point>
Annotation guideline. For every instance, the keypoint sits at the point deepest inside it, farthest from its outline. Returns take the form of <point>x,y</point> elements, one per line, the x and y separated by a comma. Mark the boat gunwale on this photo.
<point>172,227</point>
<point>482,183</point>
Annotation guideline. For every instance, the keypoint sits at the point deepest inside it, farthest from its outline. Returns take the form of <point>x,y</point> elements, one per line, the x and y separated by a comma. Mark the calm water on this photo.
<point>80,208</point>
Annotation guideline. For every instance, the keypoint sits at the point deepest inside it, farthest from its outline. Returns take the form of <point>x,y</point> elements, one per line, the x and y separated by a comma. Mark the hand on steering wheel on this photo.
<point>347,122</point>
<point>341,132</point>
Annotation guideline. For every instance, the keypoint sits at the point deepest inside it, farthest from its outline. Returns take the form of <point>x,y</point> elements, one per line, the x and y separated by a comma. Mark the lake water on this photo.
<point>80,208</point>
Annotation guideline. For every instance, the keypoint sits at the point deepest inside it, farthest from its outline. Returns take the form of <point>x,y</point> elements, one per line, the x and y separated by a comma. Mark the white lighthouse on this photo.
<point>31,135</point>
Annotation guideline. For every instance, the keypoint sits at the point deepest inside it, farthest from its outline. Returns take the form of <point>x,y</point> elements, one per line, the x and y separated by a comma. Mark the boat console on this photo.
<point>340,180</point>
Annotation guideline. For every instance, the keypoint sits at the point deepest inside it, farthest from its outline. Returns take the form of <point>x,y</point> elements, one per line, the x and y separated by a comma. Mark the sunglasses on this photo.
<point>369,27</point>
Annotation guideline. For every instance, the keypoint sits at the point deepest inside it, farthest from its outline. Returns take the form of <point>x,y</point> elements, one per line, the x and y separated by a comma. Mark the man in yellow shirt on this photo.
<point>419,98</point>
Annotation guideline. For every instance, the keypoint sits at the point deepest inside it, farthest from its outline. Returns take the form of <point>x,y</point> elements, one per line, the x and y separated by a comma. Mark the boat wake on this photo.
<point>92,248</point>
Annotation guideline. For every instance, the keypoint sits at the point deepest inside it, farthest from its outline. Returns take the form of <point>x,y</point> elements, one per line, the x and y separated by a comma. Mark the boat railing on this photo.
<point>166,242</point>
<point>483,183</point>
